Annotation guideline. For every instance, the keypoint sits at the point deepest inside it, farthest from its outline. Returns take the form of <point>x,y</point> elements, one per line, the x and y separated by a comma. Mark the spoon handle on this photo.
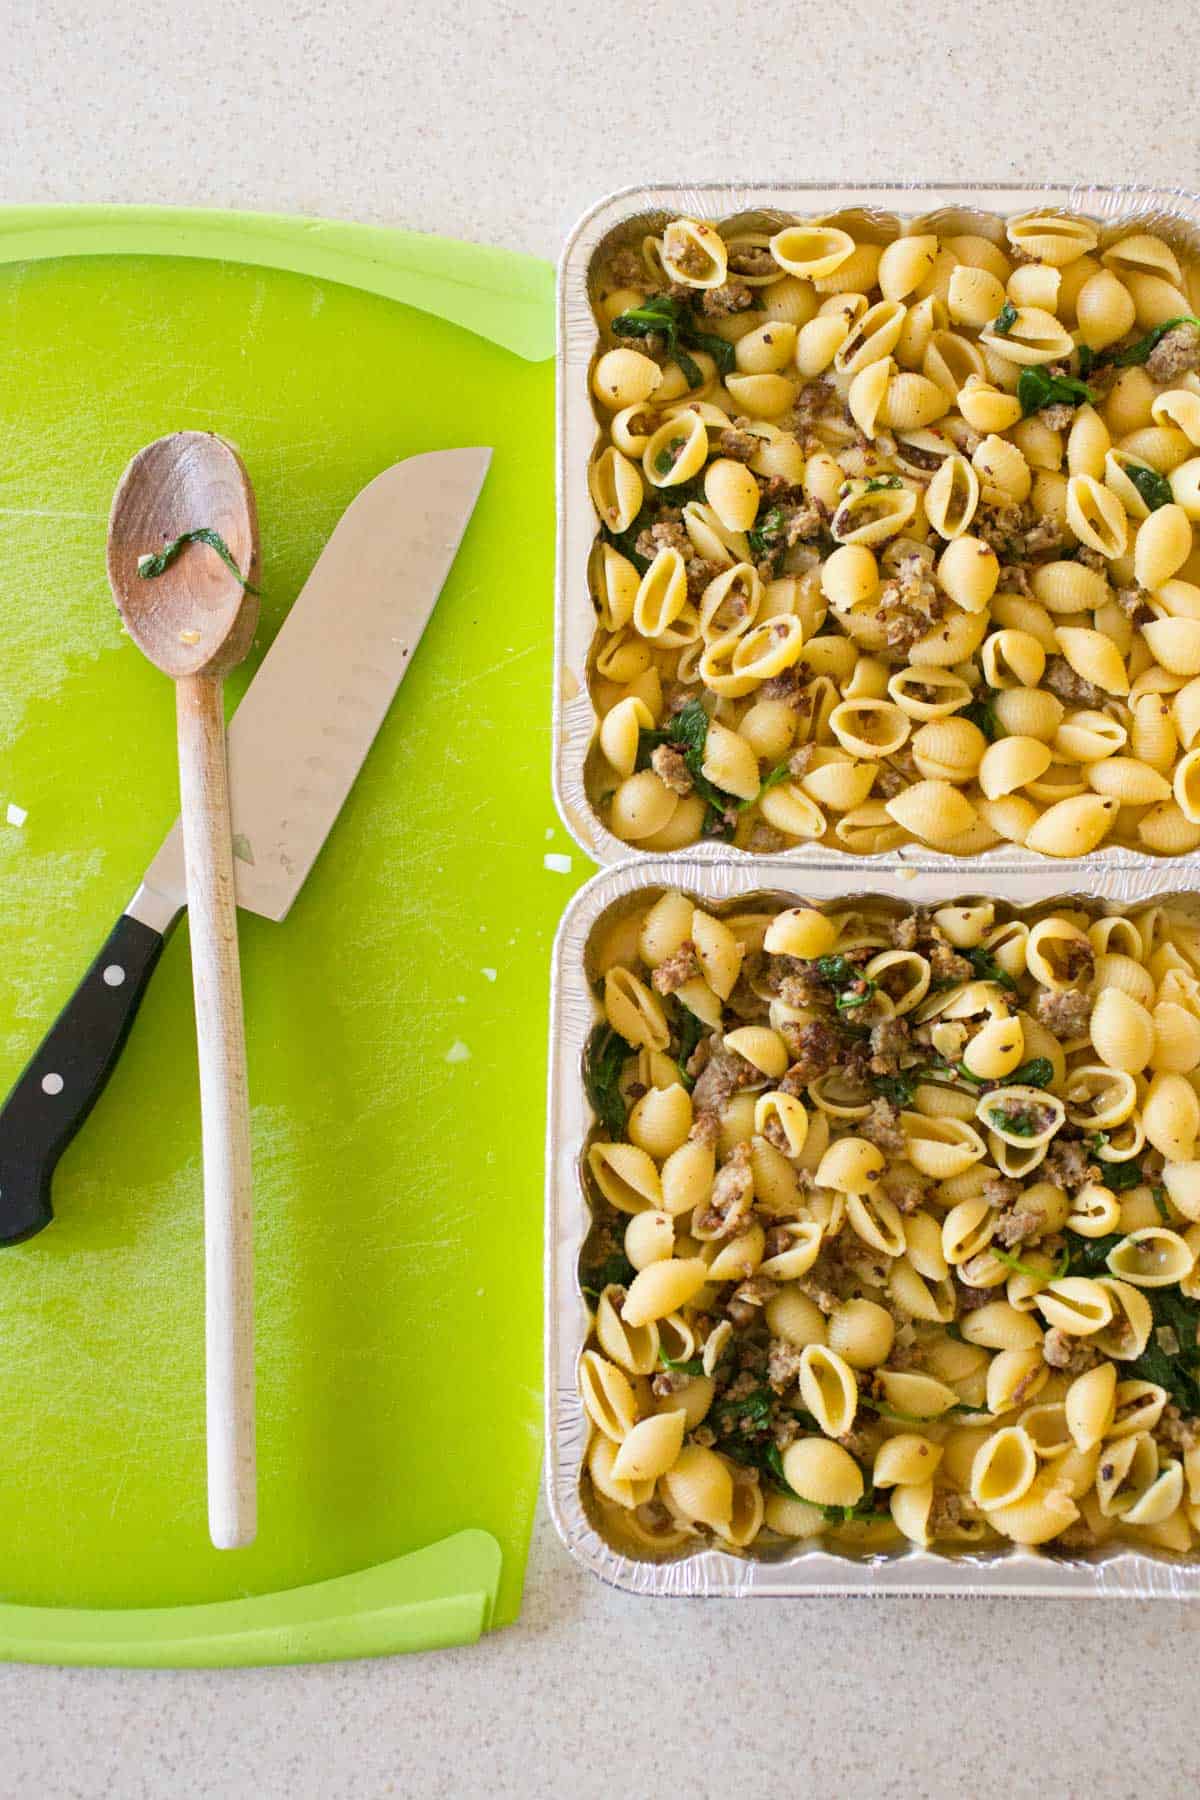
<point>225,1112</point>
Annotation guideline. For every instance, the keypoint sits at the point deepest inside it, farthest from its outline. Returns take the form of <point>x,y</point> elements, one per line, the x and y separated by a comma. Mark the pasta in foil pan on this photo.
<point>877,523</point>
<point>873,1229</point>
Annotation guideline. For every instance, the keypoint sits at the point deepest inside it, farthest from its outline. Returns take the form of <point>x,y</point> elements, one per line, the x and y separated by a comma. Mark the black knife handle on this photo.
<point>67,1075</point>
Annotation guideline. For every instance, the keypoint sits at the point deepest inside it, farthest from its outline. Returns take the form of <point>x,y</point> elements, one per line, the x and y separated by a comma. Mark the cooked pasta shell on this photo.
<point>1104,310</point>
<point>1010,763</point>
<point>1004,1468</point>
<point>632,1349</point>
<point>616,489</point>
<point>1054,238</point>
<point>1073,827</point>
<point>934,811</point>
<point>626,1176</point>
<point>650,1447</point>
<point>624,377</point>
<point>607,1396</point>
<point>811,251</point>
<point>676,451</point>
<point>1096,515</point>
<point>661,1288</point>
<point>1075,1305</point>
<point>1150,1258</point>
<point>968,572</point>
<point>1162,546</point>
<point>699,1487</point>
<point>694,254</point>
<point>1122,1031</point>
<point>904,265</point>
<point>635,1011</point>
<point>822,1472</point>
<point>1090,1405</point>
<point>828,1389</point>
<point>1035,336</point>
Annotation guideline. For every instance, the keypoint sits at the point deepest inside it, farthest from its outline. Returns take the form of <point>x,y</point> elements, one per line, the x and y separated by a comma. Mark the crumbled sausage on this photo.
<point>882,1127</point>
<point>738,443</point>
<point>730,297</point>
<point>732,1193</point>
<point>1064,1012</point>
<point>1058,417</point>
<point>680,967</point>
<point>1072,1355</point>
<point>627,268</point>
<point>1175,353</point>
<point>783,1364</point>
<point>724,1075</point>
<point>752,259</point>
<point>1016,1225</point>
<point>749,1298</point>
<point>947,965</point>
<point>669,765</point>
<point>1068,1164</point>
<point>815,1048</point>
<point>889,1039</point>
<point>1063,680</point>
<point>904,1187</point>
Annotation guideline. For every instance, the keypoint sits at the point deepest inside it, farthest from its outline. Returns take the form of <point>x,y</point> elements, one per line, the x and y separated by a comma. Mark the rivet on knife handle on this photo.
<point>68,1074</point>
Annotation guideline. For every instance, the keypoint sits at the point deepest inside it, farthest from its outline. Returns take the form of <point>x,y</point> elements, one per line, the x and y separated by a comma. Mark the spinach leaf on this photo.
<point>1089,1256</point>
<point>151,565</point>
<point>615,1271</point>
<point>603,1061</point>
<point>987,968</point>
<point>882,481</point>
<point>748,1414</point>
<point>1038,1072</point>
<point>1004,320</point>
<point>1117,1176</point>
<point>1176,1370</point>
<point>689,1030</point>
<point>1139,352</point>
<point>693,1366</point>
<point>660,315</point>
<point>855,995</point>
<point>899,1089</point>
<point>766,535</point>
<point>982,716</point>
<point>1087,359</point>
<point>1022,1121</point>
<point>687,732</point>
<point>835,969</point>
<point>1037,388</point>
<point>1158,1195</point>
<point>774,776</point>
<point>1154,488</point>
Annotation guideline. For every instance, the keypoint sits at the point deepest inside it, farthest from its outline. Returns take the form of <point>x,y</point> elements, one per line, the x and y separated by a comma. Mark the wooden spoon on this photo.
<point>195,621</point>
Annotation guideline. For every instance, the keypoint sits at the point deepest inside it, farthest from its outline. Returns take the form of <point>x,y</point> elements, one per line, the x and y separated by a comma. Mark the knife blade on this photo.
<point>296,745</point>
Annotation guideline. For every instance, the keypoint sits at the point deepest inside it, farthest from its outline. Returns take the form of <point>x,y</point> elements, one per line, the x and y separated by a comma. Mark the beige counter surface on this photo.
<point>501,122</point>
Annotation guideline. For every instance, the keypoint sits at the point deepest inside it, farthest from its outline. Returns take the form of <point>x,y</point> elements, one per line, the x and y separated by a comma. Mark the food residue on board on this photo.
<point>558,864</point>
<point>16,815</point>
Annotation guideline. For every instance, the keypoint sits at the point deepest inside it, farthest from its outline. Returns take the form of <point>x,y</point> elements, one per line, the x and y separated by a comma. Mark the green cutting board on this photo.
<point>395,1021</point>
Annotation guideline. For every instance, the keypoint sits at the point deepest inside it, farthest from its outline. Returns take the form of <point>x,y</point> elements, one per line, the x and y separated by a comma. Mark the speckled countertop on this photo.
<point>501,123</point>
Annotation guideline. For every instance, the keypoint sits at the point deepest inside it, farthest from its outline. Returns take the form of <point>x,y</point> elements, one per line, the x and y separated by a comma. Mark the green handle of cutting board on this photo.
<point>494,293</point>
<point>431,1599</point>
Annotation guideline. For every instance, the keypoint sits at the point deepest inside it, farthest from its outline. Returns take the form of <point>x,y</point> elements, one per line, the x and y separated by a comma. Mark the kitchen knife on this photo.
<point>296,744</point>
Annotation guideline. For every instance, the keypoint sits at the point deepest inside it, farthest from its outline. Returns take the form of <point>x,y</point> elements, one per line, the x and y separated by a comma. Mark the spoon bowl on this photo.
<point>197,617</point>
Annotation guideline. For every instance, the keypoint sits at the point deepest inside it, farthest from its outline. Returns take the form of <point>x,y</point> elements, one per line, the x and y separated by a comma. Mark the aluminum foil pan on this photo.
<point>625,217</point>
<point>1123,1572</point>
